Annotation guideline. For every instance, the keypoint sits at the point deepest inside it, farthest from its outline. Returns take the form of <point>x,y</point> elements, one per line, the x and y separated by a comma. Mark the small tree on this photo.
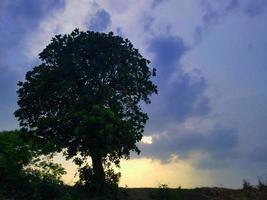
<point>20,175</point>
<point>14,155</point>
<point>85,97</point>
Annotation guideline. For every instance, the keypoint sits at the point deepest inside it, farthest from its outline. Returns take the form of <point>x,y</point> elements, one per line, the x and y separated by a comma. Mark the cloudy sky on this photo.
<point>208,124</point>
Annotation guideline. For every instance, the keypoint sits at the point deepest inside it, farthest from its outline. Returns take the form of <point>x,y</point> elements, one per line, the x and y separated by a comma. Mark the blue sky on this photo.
<point>211,58</point>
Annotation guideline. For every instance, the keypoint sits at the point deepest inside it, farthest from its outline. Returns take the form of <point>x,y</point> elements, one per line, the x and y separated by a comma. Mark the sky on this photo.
<point>208,123</point>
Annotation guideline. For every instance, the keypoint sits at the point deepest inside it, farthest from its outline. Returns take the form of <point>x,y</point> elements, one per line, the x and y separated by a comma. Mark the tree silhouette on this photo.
<point>85,98</point>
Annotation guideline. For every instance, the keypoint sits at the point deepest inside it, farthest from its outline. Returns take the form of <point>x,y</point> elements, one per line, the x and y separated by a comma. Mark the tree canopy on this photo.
<point>85,97</point>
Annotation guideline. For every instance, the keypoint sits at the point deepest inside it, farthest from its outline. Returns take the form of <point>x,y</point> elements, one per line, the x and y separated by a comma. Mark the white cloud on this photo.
<point>75,14</point>
<point>147,140</point>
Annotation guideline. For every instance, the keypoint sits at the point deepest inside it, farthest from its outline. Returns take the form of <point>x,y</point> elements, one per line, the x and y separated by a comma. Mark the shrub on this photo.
<point>262,184</point>
<point>247,185</point>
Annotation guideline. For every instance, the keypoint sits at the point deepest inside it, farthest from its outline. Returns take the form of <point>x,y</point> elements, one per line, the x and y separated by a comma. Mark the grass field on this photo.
<point>183,194</point>
<point>196,194</point>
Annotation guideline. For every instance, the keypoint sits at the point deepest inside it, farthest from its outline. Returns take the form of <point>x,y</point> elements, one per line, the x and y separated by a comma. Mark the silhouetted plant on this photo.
<point>88,179</point>
<point>262,184</point>
<point>163,192</point>
<point>85,98</point>
<point>14,155</point>
<point>22,176</point>
<point>247,185</point>
<point>46,170</point>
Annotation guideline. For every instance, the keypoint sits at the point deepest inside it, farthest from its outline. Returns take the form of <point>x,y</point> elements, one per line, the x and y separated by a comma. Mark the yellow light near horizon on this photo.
<point>70,178</point>
<point>147,172</point>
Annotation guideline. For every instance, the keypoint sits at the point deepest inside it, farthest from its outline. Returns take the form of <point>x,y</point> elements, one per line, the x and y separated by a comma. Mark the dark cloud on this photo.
<point>257,155</point>
<point>17,19</point>
<point>186,97</point>
<point>212,13</point>
<point>231,5</point>
<point>31,10</point>
<point>23,16</point>
<point>255,7</point>
<point>211,164</point>
<point>167,52</point>
<point>176,103</point>
<point>219,143</point>
<point>254,158</point>
<point>198,34</point>
<point>157,2</point>
<point>148,22</point>
<point>119,31</point>
<point>100,21</point>
<point>211,17</point>
<point>179,99</point>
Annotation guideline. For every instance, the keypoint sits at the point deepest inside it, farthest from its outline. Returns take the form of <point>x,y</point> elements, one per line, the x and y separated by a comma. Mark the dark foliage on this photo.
<point>21,178</point>
<point>85,97</point>
<point>14,155</point>
<point>88,179</point>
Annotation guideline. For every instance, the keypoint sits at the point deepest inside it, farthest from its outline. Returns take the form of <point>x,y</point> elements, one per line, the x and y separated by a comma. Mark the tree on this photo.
<point>21,176</point>
<point>14,155</point>
<point>85,98</point>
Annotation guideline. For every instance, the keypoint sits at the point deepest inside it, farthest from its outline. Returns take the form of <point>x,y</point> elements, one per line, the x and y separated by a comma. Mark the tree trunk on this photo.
<point>99,173</point>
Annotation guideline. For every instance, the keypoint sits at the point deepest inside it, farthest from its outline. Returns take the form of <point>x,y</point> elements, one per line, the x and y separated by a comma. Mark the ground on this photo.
<point>196,194</point>
<point>165,193</point>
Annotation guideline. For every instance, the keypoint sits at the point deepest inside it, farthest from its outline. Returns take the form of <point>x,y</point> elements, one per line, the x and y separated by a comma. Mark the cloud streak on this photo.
<point>219,143</point>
